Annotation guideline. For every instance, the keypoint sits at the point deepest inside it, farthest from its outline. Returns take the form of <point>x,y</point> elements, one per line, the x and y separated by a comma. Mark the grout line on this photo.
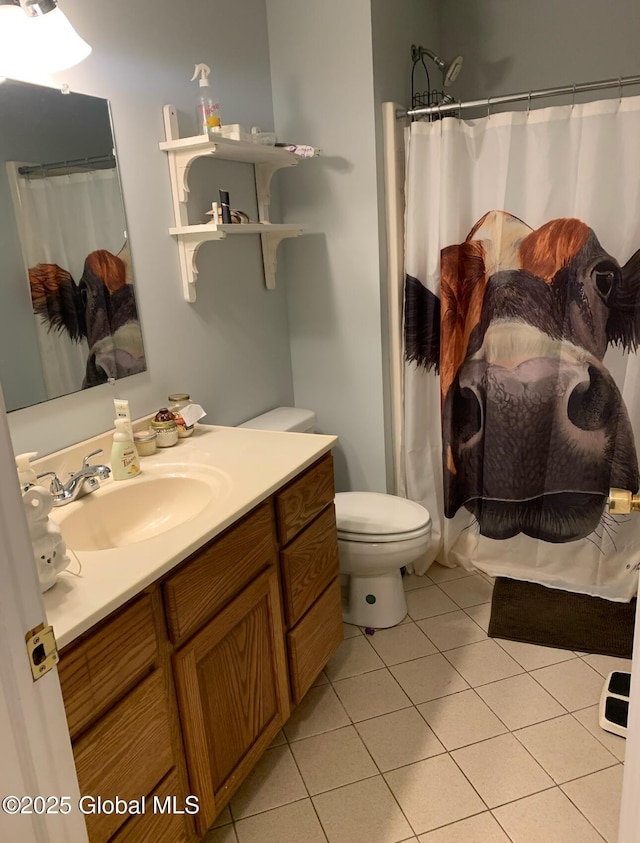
<point>501,826</point>
<point>461,820</point>
<point>579,810</point>
<point>596,736</point>
<point>592,773</point>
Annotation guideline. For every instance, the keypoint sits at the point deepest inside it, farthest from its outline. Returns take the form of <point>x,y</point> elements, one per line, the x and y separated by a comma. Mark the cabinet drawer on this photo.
<point>304,498</point>
<point>309,563</point>
<point>98,671</point>
<point>154,826</point>
<point>126,754</point>
<point>313,639</point>
<point>218,573</point>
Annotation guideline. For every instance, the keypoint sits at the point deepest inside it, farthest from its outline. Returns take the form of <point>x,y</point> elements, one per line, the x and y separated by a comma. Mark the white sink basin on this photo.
<point>122,513</point>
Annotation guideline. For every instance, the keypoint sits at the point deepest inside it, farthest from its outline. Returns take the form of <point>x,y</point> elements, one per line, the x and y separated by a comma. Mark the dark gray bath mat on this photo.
<point>524,611</point>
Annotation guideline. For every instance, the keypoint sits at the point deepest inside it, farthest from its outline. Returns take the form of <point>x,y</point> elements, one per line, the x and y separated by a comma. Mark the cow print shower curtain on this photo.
<point>522,327</point>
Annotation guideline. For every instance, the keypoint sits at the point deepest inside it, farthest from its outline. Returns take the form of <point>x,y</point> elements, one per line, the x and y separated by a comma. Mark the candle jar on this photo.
<point>164,424</point>
<point>146,442</point>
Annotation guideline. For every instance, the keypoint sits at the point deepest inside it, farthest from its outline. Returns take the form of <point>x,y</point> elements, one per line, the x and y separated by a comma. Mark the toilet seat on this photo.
<point>374,517</point>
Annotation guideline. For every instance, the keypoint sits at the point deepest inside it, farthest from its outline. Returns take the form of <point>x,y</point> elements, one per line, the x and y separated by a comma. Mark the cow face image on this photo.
<point>535,430</point>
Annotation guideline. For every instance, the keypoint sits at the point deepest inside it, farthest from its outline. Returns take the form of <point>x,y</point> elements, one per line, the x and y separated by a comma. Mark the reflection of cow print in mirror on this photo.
<point>100,309</point>
<point>535,430</point>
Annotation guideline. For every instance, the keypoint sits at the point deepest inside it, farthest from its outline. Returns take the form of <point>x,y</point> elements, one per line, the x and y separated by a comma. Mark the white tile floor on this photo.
<point>431,732</point>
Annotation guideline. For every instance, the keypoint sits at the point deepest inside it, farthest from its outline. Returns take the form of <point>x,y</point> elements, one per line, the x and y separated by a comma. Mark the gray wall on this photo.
<point>395,27</point>
<point>332,65</point>
<point>322,73</point>
<point>230,349</point>
<point>516,45</point>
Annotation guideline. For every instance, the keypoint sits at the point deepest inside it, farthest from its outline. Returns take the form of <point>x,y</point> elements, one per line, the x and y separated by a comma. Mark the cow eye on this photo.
<point>605,274</point>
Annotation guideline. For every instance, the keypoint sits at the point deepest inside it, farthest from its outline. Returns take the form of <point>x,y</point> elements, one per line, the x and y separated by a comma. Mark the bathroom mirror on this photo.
<point>69,318</point>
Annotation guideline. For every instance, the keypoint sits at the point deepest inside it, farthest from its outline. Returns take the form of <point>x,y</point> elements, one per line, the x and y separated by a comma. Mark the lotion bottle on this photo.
<point>125,462</point>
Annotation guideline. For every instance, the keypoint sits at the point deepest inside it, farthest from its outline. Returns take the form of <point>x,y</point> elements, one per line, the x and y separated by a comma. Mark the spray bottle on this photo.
<point>207,105</point>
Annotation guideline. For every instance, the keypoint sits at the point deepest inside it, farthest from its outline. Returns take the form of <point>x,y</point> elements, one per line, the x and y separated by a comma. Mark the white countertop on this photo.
<point>253,464</point>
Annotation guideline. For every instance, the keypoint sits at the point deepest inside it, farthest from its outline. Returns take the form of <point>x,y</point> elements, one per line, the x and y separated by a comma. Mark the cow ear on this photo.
<point>56,299</point>
<point>421,325</point>
<point>623,324</point>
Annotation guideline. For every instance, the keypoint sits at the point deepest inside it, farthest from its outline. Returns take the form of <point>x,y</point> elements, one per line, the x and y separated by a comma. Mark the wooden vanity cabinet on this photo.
<point>180,691</point>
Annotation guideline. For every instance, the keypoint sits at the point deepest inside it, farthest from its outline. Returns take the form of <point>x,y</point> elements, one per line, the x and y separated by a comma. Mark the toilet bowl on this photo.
<point>377,536</point>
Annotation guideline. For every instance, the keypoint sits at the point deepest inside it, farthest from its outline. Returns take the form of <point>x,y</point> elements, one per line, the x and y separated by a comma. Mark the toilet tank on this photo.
<point>284,418</point>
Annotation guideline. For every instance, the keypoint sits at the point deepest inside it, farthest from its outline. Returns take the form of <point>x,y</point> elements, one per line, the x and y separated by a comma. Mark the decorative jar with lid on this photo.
<point>165,427</point>
<point>177,401</point>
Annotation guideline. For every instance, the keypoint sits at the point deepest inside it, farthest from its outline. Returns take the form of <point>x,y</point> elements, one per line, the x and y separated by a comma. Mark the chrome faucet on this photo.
<point>80,483</point>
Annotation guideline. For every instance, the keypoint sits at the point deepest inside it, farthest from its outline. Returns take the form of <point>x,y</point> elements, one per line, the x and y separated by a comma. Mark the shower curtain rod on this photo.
<point>523,96</point>
<point>95,162</point>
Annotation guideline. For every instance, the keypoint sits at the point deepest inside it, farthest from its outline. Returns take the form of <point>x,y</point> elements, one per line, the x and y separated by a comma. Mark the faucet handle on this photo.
<point>56,486</point>
<point>85,461</point>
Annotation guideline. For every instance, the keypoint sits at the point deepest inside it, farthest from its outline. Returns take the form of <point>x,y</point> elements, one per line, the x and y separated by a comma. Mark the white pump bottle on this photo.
<point>125,462</point>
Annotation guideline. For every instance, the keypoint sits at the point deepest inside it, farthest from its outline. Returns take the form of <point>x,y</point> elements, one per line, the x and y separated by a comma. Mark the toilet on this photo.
<point>378,535</point>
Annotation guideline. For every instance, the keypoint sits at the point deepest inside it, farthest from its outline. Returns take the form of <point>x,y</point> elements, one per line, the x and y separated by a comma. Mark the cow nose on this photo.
<point>592,404</point>
<point>467,409</point>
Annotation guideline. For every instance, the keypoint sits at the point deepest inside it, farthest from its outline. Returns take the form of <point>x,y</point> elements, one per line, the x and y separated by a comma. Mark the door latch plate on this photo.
<point>42,650</point>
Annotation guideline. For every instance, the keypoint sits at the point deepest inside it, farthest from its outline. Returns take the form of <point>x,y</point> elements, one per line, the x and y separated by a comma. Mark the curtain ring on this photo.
<point>573,101</point>
<point>459,111</point>
<point>488,106</point>
<point>620,88</point>
<point>529,103</point>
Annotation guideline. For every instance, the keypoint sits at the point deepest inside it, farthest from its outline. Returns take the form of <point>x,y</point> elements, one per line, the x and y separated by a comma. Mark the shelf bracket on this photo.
<point>183,160</point>
<point>188,250</point>
<point>264,174</point>
<point>270,243</point>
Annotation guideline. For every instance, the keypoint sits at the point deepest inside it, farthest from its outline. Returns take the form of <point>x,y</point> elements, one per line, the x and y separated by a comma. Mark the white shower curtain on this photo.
<point>579,161</point>
<point>61,219</point>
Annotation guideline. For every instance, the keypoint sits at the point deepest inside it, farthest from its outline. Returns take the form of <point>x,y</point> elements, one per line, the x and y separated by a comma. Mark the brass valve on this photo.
<point>622,501</point>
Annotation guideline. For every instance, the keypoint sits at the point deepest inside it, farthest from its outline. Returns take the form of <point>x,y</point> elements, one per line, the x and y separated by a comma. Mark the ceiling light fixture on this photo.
<point>36,37</point>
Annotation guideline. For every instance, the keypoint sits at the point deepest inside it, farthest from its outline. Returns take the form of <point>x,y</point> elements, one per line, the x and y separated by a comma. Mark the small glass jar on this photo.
<point>146,442</point>
<point>177,401</point>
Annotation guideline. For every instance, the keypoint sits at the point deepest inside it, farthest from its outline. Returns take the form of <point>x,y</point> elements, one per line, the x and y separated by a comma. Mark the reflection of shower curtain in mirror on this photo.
<point>522,326</point>
<point>61,219</point>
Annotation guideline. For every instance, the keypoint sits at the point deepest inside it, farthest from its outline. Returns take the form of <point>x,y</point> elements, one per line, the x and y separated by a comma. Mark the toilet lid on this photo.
<point>371,516</point>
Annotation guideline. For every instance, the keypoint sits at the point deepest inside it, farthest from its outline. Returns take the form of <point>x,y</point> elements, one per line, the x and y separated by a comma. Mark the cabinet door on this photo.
<point>233,694</point>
